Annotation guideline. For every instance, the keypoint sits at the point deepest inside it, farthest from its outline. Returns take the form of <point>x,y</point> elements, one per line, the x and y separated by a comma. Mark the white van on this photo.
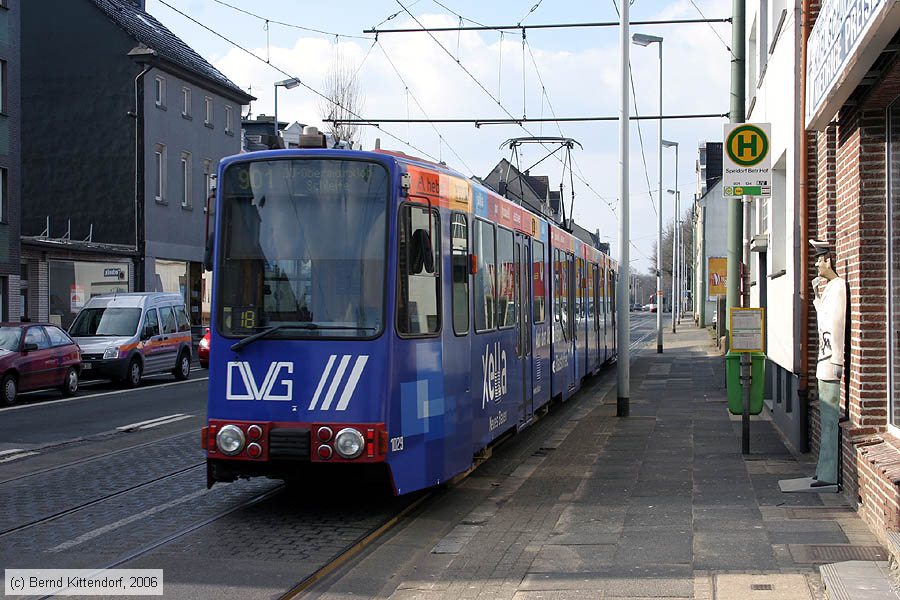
<point>127,336</point>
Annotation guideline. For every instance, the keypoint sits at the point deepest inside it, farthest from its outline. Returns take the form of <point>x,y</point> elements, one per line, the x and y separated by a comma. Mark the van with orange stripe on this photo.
<point>127,336</point>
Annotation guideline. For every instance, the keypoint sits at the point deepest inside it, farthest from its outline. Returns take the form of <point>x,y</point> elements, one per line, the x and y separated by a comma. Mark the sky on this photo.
<point>564,72</point>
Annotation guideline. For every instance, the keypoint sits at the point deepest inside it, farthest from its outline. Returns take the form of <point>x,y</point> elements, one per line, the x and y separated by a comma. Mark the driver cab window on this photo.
<point>151,323</point>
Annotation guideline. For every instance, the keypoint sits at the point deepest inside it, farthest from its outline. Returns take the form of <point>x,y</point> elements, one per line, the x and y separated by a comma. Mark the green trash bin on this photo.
<point>733,382</point>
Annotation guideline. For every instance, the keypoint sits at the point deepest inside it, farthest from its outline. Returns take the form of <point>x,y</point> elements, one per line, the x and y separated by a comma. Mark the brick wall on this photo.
<point>851,211</point>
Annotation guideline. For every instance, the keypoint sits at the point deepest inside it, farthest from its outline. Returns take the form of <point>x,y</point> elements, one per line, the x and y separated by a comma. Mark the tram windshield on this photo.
<point>304,249</point>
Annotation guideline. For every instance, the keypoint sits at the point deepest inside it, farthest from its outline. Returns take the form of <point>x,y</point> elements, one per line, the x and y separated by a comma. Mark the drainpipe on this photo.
<point>144,55</point>
<point>803,383</point>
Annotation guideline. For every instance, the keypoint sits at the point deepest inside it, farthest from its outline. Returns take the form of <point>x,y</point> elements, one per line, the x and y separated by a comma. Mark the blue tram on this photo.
<point>378,313</point>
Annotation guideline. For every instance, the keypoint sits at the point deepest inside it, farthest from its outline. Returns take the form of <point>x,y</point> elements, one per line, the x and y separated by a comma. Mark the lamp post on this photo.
<point>286,84</point>
<point>645,40</point>
<point>676,234</point>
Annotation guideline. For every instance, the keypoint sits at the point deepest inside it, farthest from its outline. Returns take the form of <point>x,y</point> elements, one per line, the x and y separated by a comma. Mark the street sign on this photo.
<point>747,160</point>
<point>747,329</point>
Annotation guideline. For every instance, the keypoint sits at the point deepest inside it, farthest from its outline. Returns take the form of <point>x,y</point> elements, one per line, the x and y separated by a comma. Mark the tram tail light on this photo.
<point>348,442</point>
<point>473,264</point>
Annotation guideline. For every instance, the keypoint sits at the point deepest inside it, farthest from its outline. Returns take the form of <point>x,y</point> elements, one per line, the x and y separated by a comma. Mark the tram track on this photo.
<point>94,502</point>
<point>96,457</point>
<point>347,554</point>
<point>145,549</point>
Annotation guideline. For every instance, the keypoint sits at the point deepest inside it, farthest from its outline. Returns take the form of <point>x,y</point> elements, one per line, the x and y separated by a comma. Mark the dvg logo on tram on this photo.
<point>260,391</point>
<point>493,362</point>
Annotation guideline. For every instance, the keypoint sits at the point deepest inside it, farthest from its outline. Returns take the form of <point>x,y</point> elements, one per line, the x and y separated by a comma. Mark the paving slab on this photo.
<point>658,505</point>
<point>762,587</point>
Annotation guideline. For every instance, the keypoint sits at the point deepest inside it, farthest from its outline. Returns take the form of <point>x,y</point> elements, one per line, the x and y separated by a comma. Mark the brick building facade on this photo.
<point>853,201</point>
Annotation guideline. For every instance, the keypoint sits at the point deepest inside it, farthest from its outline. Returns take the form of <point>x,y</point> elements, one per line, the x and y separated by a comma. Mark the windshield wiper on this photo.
<point>306,326</point>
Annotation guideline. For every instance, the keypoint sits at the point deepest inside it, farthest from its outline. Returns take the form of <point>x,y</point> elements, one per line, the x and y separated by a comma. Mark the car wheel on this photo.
<point>10,388</point>
<point>133,374</point>
<point>183,370</point>
<point>70,386</point>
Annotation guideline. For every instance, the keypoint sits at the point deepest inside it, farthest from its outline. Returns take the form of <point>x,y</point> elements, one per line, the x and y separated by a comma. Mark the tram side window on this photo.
<point>561,290</point>
<point>506,279</point>
<point>579,289</point>
<point>611,291</point>
<point>459,242</point>
<point>598,306</point>
<point>539,287</point>
<point>418,310</point>
<point>485,277</point>
<point>588,290</point>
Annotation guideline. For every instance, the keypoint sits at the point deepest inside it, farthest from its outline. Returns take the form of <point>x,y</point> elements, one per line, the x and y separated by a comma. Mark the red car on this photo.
<point>203,351</point>
<point>35,356</point>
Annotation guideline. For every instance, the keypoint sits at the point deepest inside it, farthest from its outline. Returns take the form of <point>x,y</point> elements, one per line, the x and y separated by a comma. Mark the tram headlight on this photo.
<point>349,443</point>
<point>230,440</point>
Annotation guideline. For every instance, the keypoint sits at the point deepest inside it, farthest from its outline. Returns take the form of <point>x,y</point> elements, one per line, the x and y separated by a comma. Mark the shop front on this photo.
<point>59,278</point>
<point>73,283</point>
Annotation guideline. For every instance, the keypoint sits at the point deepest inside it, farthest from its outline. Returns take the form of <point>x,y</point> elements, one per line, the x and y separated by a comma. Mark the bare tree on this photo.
<point>345,100</point>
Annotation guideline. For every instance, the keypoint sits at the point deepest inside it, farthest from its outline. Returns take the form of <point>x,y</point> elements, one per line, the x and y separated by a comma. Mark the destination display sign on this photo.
<point>747,165</point>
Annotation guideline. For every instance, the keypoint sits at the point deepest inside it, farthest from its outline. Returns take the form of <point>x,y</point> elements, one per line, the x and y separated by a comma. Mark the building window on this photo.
<point>185,179</point>
<point>229,120</point>
<point>208,185</point>
<point>893,228</point>
<point>4,195</point>
<point>2,86</point>
<point>208,115</point>
<point>73,283</point>
<point>159,178</point>
<point>160,92</point>
<point>185,102</point>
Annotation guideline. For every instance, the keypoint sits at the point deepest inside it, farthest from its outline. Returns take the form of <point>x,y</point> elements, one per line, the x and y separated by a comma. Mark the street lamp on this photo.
<point>676,235</point>
<point>645,40</point>
<point>286,84</point>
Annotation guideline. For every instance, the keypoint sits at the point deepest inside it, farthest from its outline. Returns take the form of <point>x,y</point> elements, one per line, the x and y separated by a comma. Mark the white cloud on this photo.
<point>580,79</point>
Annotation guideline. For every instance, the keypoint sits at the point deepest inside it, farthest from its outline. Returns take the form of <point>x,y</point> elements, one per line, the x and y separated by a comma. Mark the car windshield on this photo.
<point>106,321</point>
<point>9,338</point>
<point>304,244</point>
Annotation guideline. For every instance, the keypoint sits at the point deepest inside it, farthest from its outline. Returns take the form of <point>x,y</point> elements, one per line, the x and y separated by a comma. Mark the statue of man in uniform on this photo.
<point>830,303</point>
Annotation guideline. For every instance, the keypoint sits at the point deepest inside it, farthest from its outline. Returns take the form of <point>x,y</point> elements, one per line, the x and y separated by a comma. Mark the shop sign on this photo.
<point>842,30</point>
<point>112,273</point>
<point>77,297</point>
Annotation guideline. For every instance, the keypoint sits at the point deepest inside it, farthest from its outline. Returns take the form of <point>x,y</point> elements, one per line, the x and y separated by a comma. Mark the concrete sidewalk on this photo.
<point>659,505</point>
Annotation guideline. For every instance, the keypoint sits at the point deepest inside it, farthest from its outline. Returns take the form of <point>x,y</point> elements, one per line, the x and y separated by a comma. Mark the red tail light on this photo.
<point>254,450</point>
<point>324,434</point>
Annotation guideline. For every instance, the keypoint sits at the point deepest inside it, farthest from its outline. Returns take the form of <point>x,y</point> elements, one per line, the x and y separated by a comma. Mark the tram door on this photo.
<point>524,346</point>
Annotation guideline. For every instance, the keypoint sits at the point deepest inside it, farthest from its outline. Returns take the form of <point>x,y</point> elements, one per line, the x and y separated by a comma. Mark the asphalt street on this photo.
<point>116,478</point>
<point>45,418</point>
